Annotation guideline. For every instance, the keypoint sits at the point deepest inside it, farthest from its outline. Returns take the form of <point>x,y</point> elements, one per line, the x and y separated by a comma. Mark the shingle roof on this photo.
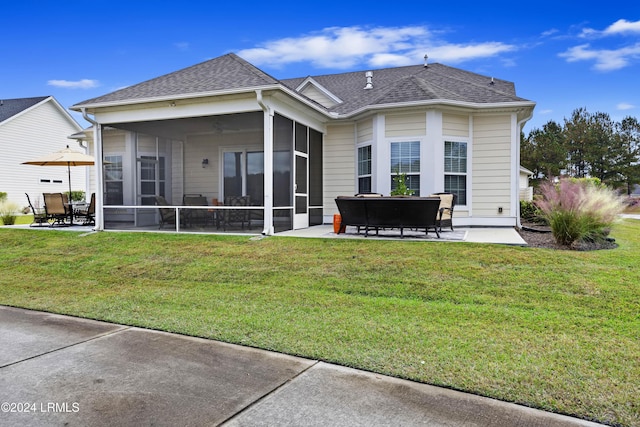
<point>412,84</point>
<point>11,107</point>
<point>222,73</point>
<point>390,85</point>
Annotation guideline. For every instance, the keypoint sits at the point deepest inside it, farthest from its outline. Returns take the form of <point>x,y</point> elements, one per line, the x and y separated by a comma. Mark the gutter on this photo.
<point>519,129</point>
<point>97,143</point>
<point>268,163</point>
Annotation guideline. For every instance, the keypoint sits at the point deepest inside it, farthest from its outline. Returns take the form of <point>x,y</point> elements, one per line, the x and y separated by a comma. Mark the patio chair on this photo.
<point>196,216</point>
<point>39,215</point>
<point>89,212</point>
<point>231,216</point>
<point>445,212</point>
<point>55,208</point>
<point>167,215</point>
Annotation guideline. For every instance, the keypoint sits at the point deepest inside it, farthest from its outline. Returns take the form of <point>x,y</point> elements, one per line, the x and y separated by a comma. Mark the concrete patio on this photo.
<point>496,235</point>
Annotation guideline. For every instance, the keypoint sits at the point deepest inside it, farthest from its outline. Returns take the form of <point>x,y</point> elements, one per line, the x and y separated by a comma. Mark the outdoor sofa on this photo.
<point>374,213</point>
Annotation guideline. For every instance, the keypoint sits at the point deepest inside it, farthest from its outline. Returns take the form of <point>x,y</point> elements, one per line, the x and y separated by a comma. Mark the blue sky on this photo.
<point>561,54</point>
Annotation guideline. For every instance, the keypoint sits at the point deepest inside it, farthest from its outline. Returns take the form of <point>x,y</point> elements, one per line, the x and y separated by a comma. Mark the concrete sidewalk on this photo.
<point>60,370</point>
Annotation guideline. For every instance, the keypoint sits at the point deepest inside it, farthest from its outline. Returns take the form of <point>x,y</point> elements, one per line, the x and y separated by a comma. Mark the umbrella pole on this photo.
<point>70,204</point>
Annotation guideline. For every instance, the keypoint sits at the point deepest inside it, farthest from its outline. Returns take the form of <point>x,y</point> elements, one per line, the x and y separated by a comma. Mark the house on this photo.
<point>224,128</point>
<point>31,128</point>
<point>526,191</point>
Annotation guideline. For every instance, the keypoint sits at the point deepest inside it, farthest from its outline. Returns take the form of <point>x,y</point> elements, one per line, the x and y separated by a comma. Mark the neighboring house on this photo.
<point>225,128</point>
<point>526,191</point>
<point>31,128</point>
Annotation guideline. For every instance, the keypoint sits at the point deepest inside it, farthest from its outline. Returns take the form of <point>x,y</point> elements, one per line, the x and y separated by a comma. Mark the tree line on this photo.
<point>585,145</point>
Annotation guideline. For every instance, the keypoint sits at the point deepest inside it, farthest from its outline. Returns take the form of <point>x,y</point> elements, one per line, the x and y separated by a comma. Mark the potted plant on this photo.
<point>401,189</point>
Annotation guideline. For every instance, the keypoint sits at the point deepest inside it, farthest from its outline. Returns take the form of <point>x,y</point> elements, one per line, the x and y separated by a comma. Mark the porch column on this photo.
<point>97,144</point>
<point>268,164</point>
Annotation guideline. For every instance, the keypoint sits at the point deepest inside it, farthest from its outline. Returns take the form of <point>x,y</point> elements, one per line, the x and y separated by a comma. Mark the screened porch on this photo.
<point>212,174</point>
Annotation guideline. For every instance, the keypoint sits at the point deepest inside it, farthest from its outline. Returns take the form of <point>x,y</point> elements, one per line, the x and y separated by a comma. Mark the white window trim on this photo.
<point>467,174</point>
<point>243,164</point>
<point>373,164</point>
<point>421,175</point>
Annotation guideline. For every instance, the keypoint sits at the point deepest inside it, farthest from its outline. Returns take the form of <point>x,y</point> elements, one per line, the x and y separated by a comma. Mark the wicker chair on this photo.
<point>231,216</point>
<point>445,212</point>
<point>196,216</point>
<point>167,215</point>
<point>88,214</point>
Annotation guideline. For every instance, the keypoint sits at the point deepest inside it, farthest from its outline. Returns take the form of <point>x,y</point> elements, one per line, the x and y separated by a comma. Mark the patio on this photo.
<point>495,235</point>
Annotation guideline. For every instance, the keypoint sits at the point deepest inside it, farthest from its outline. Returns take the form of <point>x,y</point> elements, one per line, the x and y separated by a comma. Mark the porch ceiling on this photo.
<point>178,129</point>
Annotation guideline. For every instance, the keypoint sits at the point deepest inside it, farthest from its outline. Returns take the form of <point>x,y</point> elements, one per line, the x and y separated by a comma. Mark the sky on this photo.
<point>562,55</point>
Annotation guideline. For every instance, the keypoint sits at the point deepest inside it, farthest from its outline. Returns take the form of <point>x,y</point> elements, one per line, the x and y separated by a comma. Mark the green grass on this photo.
<point>556,330</point>
<point>21,219</point>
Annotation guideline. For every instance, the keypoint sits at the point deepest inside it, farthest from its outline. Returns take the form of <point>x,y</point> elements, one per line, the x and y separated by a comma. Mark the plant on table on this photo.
<point>579,209</point>
<point>76,195</point>
<point>400,187</point>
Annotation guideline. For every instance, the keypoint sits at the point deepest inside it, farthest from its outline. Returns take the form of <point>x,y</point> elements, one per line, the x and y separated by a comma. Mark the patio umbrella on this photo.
<point>66,157</point>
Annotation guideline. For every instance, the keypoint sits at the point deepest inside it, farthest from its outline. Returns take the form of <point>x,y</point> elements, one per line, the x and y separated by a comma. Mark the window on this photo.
<point>455,170</point>
<point>113,180</point>
<point>405,158</point>
<point>244,175</point>
<point>364,169</point>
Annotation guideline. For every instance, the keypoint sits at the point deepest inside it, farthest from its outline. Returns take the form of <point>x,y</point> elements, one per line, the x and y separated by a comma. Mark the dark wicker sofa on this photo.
<point>373,213</point>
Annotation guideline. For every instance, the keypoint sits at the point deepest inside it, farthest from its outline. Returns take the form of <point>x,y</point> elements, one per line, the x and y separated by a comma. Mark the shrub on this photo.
<point>529,211</point>
<point>579,210</point>
<point>3,196</point>
<point>8,212</point>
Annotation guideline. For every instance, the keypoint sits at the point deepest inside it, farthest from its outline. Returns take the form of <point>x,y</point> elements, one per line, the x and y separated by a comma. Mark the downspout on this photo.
<point>519,127</point>
<point>268,163</point>
<point>97,144</point>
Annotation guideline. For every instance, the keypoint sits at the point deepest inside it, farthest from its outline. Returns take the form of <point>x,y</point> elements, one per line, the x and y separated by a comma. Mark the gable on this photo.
<point>10,108</point>
<point>314,91</point>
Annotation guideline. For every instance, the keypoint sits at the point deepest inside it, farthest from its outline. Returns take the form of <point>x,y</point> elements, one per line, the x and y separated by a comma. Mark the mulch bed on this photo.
<point>539,236</point>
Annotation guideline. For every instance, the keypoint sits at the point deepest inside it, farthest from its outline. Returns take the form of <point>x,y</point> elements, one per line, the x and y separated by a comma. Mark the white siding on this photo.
<point>339,166</point>
<point>36,133</point>
<point>401,125</point>
<point>491,164</point>
<point>365,130</point>
<point>455,125</point>
<point>317,95</point>
<point>206,181</point>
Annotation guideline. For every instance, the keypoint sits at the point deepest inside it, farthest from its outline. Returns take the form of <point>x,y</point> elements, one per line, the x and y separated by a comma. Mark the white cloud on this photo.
<point>545,112</point>
<point>182,45</point>
<point>621,26</point>
<point>345,47</point>
<point>625,106</point>
<point>78,84</point>
<point>605,59</point>
<point>550,32</point>
<point>453,53</point>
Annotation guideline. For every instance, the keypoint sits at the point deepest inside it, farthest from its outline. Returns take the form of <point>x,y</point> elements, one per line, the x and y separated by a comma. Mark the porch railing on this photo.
<point>180,218</point>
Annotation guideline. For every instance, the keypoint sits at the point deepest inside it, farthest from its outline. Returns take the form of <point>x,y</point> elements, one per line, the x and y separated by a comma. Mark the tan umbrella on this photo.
<point>66,157</point>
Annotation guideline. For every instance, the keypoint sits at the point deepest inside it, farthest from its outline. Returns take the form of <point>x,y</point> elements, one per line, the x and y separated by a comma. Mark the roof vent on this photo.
<point>492,82</point>
<point>426,64</point>
<point>369,76</point>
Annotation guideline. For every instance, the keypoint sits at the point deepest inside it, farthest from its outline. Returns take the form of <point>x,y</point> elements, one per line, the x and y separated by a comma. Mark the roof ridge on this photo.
<point>249,66</point>
<point>394,87</point>
<point>488,86</point>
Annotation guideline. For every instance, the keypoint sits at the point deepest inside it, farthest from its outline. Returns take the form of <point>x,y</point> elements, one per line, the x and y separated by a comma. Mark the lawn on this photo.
<point>556,330</point>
